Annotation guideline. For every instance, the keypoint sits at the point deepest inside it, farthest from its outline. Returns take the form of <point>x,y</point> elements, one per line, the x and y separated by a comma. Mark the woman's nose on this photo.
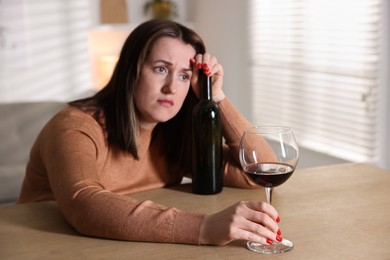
<point>169,86</point>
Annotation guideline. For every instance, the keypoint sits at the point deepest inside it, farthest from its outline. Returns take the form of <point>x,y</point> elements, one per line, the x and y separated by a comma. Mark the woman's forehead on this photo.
<point>172,46</point>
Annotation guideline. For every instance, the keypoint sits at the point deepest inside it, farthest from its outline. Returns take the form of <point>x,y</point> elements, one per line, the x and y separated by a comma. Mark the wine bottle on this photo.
<point>207,177</point>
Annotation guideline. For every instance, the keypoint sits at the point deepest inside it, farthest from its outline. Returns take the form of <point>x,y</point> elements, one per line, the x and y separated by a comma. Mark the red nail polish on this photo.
<point>199,65</point>
<point>279,239</point>
<point>192,61</point>
<point>269,241</point>
<point>279,232</point>
<point>205,66</point>
<point>278,219</point>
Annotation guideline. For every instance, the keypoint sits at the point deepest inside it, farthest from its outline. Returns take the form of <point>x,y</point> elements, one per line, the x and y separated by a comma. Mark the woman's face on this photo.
<point>164,81</point>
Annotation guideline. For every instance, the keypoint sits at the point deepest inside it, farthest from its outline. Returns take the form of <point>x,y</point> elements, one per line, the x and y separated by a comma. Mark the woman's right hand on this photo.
<point>248,220</point>
<point>214,70</point>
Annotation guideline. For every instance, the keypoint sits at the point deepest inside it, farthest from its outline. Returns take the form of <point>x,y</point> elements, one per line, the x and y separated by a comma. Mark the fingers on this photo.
<point>258,234</point>
<point>264,207</point>
<point>208,63</point>
<point>211,67</point>
<point>261,233</point>
<point>261,222</point>
<point>248,220</point>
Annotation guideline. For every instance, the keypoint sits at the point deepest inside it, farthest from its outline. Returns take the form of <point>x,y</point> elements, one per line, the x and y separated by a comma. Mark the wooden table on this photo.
<point>333,212</point>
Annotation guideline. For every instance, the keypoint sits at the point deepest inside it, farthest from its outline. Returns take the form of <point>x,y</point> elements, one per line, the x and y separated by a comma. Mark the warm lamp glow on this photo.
<point>105,44</point>
<point>106,65</point>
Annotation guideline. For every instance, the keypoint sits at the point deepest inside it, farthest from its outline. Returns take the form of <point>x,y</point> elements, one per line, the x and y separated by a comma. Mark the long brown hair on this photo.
<point>116,99</point>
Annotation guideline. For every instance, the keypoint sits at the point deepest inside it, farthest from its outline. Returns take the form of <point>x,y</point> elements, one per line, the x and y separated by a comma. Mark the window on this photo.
<point>44,49</point>
<point>316,67</point>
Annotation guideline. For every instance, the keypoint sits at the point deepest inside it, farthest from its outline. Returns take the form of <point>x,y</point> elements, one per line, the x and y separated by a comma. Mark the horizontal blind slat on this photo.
<point>56,51</point>
<point>314,66</point>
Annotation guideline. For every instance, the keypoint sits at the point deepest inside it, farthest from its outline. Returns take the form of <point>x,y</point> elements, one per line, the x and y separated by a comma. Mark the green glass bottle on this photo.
<point>207,177</point>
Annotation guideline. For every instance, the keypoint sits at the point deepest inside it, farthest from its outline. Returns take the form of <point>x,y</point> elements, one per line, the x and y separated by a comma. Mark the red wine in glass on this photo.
<point>269,174</point>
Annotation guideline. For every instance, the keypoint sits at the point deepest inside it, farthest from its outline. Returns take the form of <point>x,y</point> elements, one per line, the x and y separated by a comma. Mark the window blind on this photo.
<point>44,50</point>
<point>315,67</point>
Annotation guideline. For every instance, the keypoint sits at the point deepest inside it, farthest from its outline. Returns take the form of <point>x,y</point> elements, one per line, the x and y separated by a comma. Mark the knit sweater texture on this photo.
<point>72,163</point>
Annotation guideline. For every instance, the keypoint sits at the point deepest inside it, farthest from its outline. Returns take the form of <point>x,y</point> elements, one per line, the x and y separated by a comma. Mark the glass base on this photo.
<point>274,248</point>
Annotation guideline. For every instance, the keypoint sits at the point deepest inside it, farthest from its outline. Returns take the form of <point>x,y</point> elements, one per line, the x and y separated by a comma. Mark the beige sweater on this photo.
<point>72,163</point>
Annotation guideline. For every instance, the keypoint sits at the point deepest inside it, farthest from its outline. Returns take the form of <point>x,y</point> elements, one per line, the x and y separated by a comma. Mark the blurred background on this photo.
<point>319,66</point>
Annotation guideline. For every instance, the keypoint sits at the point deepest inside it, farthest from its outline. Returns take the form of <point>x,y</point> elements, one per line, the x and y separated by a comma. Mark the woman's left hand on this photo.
<point>213,69</point>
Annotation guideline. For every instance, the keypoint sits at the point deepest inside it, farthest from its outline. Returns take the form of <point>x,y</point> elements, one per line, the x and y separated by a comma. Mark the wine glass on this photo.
<point>269,155</point>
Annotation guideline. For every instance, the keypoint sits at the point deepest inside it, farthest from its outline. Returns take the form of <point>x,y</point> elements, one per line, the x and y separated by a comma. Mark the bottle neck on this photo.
<point>205,85</point>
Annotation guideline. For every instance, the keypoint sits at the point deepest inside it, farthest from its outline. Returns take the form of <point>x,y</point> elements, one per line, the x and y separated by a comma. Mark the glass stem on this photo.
<point>268,194</point>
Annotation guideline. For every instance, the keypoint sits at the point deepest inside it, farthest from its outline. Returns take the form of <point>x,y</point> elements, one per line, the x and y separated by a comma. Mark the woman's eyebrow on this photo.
<point>170,64</point>
<point>187,69</point>
<point>164,61</point>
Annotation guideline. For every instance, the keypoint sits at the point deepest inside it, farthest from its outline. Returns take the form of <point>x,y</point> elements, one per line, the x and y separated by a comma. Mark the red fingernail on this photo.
<point>269,241</point>
<point>279,239</point>
<point>278,219</point>
<point>205,66</point>
<point>199,65</point>
<point>279,232</point>
<point>192,61</point>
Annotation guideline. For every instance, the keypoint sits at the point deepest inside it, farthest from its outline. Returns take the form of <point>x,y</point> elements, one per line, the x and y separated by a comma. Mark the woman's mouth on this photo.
<point>165,102</point>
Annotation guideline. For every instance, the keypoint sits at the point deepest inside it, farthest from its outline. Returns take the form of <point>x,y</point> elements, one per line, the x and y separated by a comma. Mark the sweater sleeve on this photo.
<point>70,151</point>
<point>233,127</point>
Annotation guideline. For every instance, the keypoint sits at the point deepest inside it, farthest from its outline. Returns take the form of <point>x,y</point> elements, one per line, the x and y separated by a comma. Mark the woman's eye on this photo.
<point>184,77</point>
<point>160,69</point>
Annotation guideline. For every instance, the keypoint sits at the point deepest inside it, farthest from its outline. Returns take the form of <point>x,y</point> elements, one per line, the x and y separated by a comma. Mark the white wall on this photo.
<point>222,24</point>
<point>384,161</point>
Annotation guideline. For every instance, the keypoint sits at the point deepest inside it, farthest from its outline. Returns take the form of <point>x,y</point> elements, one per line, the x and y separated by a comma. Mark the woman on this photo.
<point>134,135</point>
